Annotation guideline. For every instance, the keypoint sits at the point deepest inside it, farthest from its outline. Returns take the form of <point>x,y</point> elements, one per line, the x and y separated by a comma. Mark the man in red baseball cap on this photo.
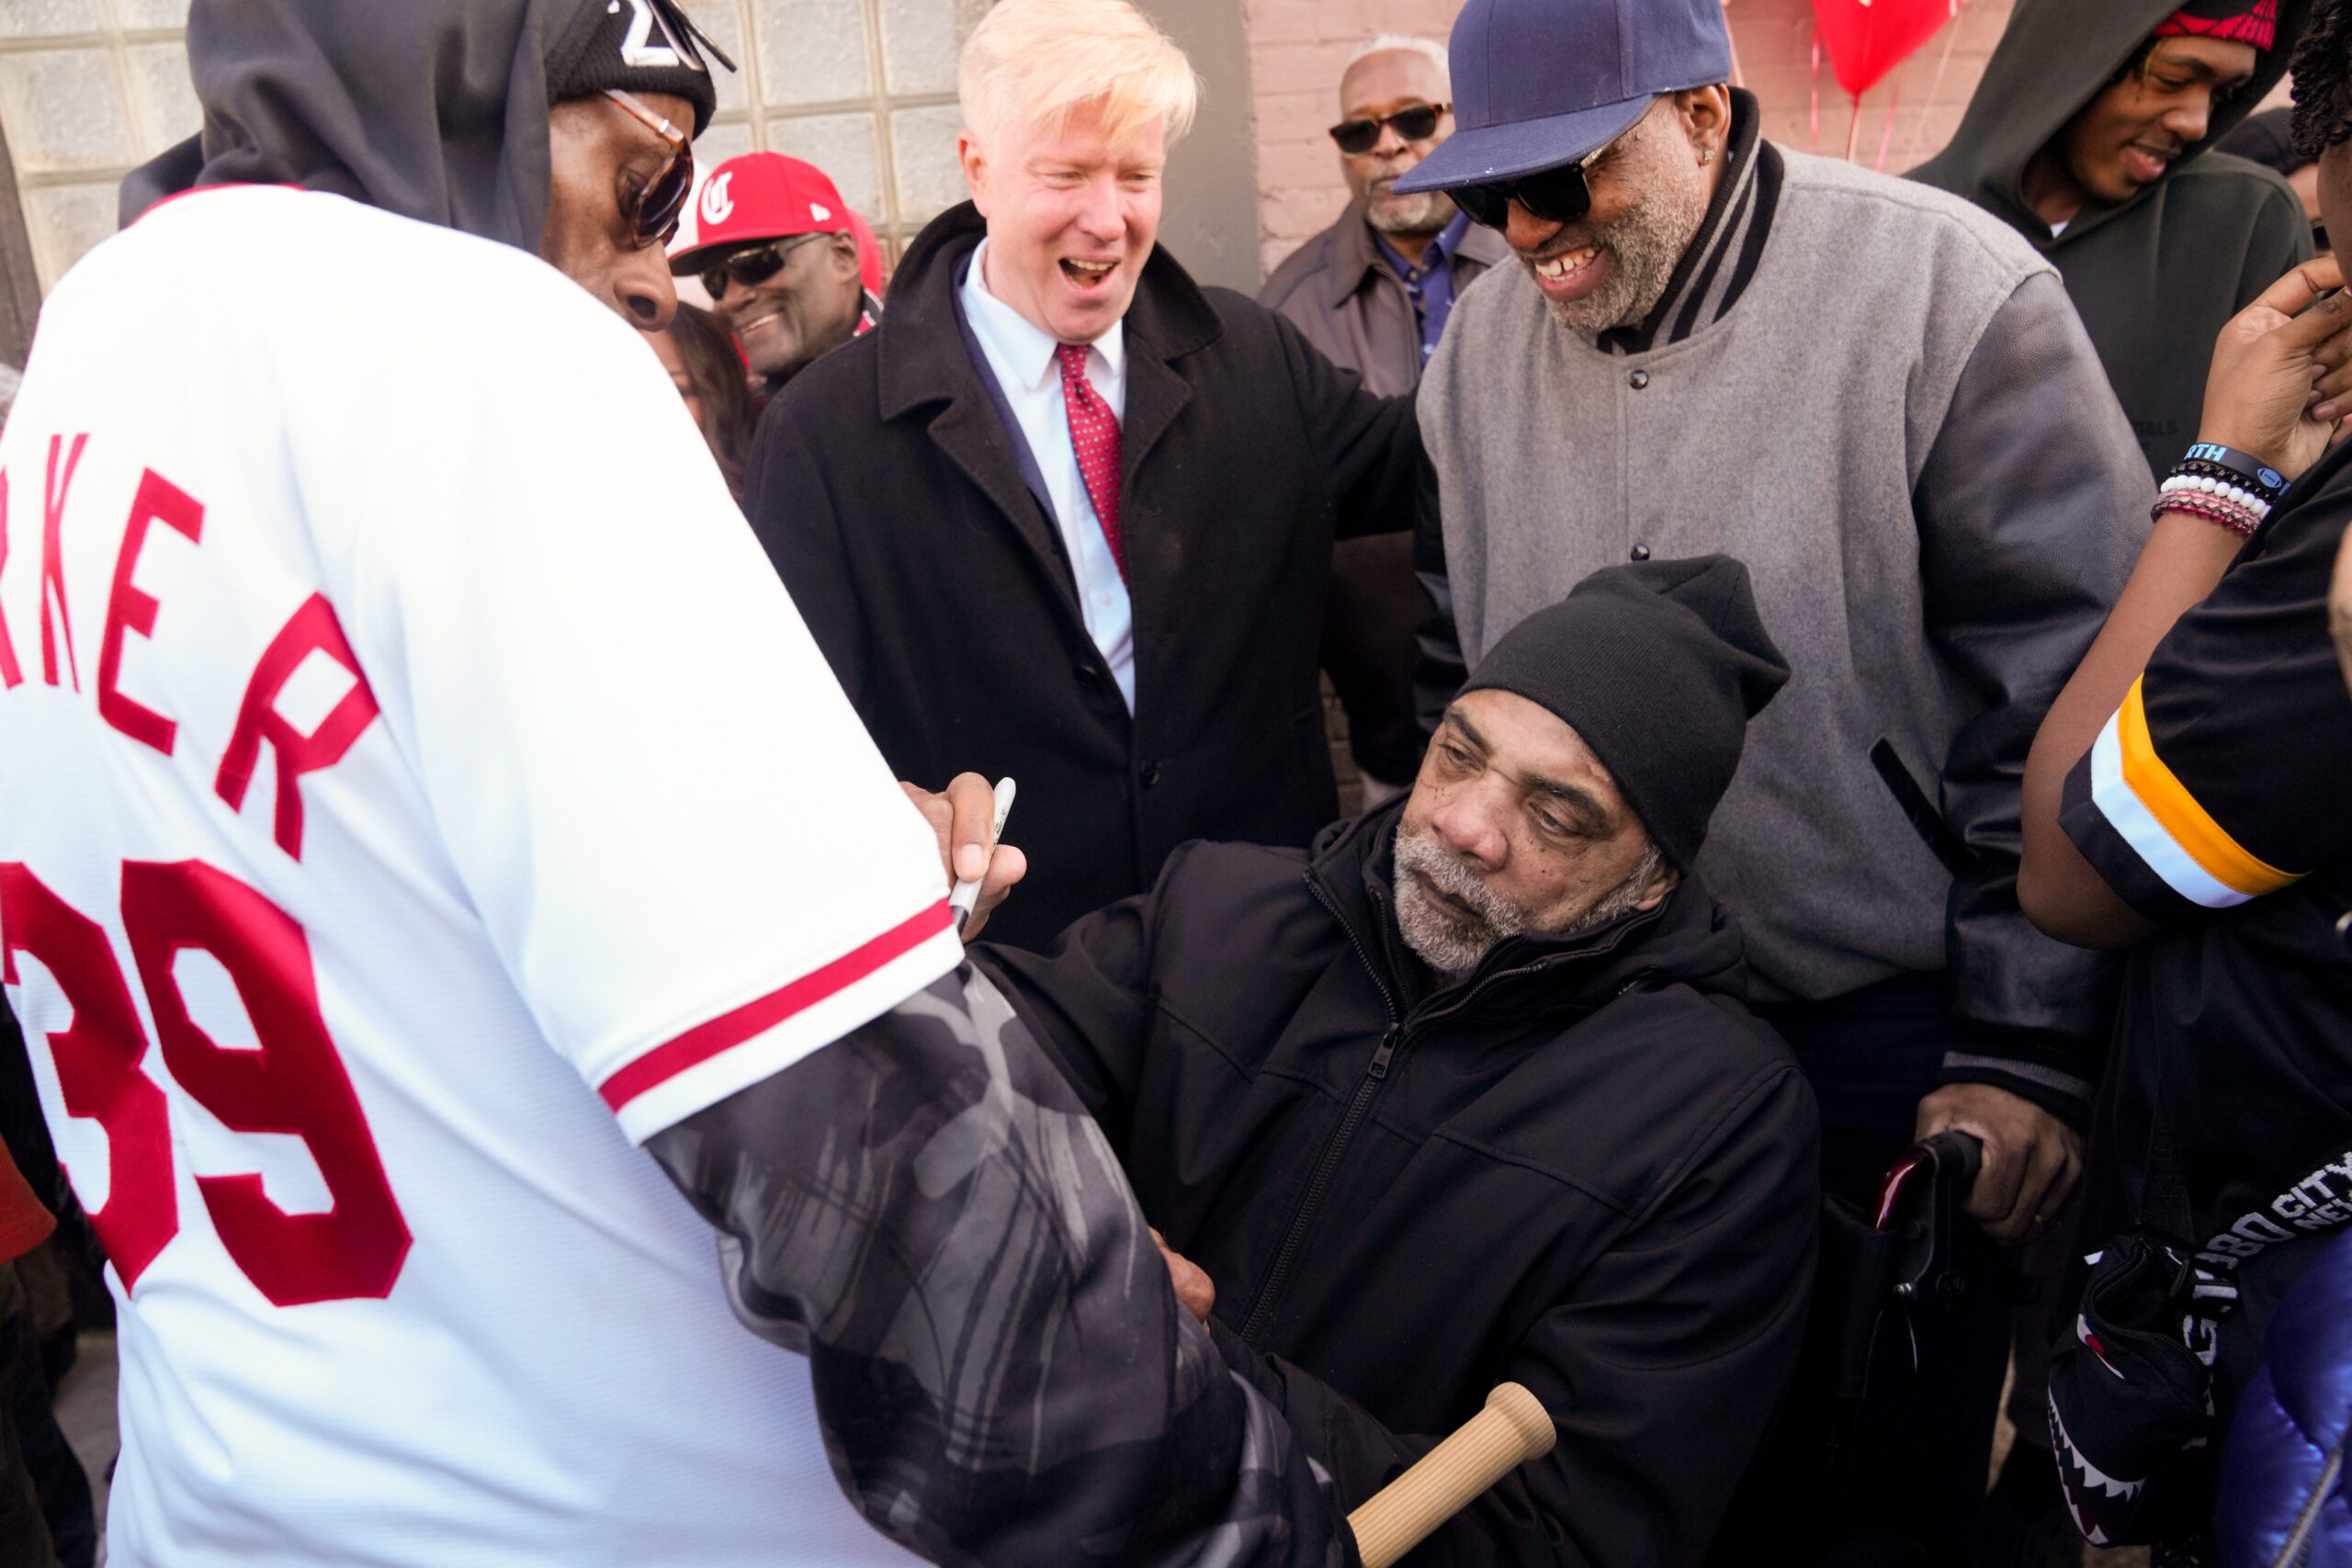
<point>777,246</point>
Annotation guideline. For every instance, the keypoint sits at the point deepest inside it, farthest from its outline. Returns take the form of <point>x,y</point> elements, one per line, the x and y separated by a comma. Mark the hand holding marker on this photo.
<point>968,892</point>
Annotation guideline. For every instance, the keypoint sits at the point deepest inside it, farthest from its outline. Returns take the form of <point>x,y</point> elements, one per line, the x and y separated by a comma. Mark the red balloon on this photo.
<point>1867,39</point>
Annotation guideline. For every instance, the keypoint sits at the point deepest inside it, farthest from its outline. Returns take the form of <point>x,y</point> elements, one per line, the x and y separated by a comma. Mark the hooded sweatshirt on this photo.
<point>329,99</point>
<point>2156,278</point>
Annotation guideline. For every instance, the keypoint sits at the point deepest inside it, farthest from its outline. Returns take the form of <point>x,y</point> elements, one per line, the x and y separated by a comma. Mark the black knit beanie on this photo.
<point>639,46</point>
<point>1658,666</point>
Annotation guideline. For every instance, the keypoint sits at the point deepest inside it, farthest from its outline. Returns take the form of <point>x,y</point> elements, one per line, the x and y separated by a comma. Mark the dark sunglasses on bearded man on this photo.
<point>1418,123</point>
<point>1561,194</point>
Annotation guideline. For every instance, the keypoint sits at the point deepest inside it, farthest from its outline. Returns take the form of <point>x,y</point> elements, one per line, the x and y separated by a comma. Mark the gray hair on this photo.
<point>1428,48</point>
<point>9,381</point>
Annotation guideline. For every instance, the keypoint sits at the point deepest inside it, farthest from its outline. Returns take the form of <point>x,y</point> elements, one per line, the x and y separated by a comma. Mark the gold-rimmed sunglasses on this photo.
<point>653,208</point>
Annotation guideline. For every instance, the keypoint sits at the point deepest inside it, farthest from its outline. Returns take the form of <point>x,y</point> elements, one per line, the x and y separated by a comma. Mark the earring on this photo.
<point>1706,154</point>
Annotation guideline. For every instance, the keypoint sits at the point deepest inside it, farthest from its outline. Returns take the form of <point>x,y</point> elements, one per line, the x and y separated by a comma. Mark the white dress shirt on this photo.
<point>1023,359</point>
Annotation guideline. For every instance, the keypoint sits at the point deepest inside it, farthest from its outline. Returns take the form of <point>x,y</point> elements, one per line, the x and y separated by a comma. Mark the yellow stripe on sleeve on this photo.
<point>2185,822</point>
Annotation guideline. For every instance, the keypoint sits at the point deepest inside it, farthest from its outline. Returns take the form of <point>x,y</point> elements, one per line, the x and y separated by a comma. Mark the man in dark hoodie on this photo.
<point>2091,133</point>
<point>572,844</point>
<point>1470,1091</point>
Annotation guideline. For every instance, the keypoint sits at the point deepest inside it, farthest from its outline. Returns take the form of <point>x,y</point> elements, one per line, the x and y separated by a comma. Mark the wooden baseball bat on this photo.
<point>1509,1432</point>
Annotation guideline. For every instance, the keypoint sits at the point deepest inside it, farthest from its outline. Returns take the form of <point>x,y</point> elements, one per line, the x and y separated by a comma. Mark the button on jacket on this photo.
<point>1586,1167</point>
<point>912,525</point>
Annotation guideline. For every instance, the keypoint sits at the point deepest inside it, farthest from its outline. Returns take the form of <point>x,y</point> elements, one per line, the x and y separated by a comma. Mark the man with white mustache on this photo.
<point>1373,291</point>
<point>1881,399</point>
<point>1471,1091</point>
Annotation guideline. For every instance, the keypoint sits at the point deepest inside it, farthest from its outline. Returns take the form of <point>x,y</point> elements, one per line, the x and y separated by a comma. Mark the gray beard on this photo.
<point>1453,947</point>
<point>1647,244</point>
<point>1425,214</point>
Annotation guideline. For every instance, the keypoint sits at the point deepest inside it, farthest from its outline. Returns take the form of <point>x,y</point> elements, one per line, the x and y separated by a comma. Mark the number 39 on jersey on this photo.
<point>285,1077</point>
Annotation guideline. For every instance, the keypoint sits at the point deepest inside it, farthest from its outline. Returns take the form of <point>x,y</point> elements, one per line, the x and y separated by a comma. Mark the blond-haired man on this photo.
<point>1067,514</point>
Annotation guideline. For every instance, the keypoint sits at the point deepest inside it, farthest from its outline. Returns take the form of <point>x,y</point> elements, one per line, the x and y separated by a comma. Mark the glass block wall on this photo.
<point>864,89</point>
<point>87,89</point>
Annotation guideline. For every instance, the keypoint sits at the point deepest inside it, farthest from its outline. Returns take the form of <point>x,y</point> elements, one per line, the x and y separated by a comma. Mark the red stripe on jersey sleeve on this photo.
<point>705,1041</point>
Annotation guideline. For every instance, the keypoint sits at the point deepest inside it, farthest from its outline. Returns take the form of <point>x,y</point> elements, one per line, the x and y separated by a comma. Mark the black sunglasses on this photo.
<point>1554,196</point>
<point>1559,195</point>
<point>1416,124</point>
<point>756,264</point>
<point>651,209</point>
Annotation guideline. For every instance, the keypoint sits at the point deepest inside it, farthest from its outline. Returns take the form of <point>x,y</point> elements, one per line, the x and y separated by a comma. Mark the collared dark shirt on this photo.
<point>1428,282</point>
<point>1346,289</point>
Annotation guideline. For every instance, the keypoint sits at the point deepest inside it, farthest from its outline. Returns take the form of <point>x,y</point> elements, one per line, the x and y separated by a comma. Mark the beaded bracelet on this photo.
<point>2241,468</point>
<point>2227,475</point>
<point>2194,484</point>
<point>2239,520</point>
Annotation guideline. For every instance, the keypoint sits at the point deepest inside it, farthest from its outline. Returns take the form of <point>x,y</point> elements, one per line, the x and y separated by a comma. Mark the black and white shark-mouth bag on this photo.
<point>2131,1391</point>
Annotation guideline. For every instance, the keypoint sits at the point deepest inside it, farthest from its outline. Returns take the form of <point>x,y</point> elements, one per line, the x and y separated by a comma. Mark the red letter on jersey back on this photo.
<point>10,674</point>
<point>52,562</point>
<point>129,610</point>
<point>313,629</point>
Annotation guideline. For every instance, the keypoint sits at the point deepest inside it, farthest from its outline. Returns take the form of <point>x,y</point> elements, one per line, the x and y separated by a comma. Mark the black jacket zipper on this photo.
<point>1358,1105</point>
<point>1278,1275</point>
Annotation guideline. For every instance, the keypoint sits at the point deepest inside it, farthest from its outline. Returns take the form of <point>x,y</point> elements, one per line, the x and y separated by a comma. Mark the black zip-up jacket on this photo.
<point>1584,1168</point>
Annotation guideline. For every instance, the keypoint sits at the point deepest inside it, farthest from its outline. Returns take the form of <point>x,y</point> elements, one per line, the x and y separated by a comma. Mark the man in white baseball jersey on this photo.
<point>414,791</point>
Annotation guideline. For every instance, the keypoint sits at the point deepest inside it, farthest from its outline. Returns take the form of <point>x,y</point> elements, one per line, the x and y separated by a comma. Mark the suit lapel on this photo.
<point>929,357</point>
<point>1156,395</point>
<point>928,354</point>
<point>978,440</point>
<point>1169,320</point>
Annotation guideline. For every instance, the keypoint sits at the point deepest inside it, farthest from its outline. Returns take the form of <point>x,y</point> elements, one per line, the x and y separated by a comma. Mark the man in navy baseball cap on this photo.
<point>1538,84</point>
<point>1548,94</point>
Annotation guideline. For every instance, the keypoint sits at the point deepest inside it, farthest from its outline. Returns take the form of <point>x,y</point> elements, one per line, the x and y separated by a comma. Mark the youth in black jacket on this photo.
<point>1584,1168</point>
<point>892,498</point>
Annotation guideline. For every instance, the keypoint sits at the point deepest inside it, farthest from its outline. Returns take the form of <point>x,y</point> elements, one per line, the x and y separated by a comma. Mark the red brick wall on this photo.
<point>1297,49</point>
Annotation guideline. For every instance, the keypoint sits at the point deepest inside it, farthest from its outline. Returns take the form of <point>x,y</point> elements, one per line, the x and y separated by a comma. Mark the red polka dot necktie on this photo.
<point>1095,436</point>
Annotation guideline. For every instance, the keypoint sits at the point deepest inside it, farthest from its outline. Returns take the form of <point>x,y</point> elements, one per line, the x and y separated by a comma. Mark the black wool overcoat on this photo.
<point>889,492</point>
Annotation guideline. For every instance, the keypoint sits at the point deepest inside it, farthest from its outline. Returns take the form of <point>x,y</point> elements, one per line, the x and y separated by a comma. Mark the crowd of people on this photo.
<point>1835,661</point>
